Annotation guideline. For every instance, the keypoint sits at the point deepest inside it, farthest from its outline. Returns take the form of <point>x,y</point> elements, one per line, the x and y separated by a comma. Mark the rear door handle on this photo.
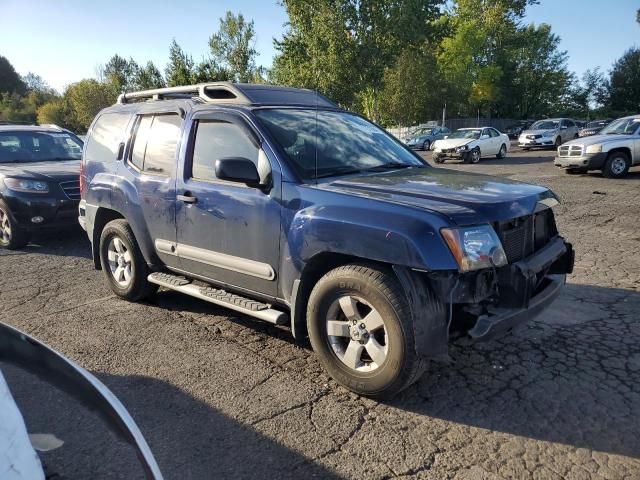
<point>187,198</point>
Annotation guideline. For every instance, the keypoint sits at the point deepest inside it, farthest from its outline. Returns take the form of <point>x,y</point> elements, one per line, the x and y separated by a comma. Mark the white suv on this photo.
<point>614,150</point>
<point>552,132</point>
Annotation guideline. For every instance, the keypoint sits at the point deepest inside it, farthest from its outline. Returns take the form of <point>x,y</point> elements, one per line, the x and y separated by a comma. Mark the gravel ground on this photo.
<point>219,395</point>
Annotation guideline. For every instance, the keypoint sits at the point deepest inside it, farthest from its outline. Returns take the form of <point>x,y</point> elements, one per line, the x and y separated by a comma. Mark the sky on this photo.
<point>64,41</point>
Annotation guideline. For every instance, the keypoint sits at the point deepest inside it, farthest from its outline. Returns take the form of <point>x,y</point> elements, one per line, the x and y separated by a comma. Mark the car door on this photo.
<point>496,140</point>
<point>226,231</point>
<point>150,167</point>
<point>486,142</point>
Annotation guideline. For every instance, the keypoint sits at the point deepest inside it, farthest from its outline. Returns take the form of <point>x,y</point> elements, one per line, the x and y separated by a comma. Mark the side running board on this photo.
<point>210,294</point>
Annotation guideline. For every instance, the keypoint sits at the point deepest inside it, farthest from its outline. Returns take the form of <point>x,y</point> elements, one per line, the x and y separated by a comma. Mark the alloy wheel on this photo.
<point>5,228</point>
<point>357,333</point>
<point>120,264</point>
<point>618,166</point>
<point>475,156</point>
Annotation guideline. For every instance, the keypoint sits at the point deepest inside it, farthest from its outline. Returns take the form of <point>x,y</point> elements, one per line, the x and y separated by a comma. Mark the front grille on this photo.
<point>524,236</point>
<point>71,189</point>
<point>570,151</point>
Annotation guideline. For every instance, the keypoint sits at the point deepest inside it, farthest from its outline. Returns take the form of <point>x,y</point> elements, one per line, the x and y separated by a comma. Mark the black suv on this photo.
<point>39,181</point>
<point>277,204</point>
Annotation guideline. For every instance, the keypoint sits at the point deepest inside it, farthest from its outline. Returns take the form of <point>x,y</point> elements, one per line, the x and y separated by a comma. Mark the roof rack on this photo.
<point>209,92</point>
<point>238,93</point>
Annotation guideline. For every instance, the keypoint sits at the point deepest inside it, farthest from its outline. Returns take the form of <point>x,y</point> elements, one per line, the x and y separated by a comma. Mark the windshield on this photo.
<point>622,126</point>
<point>422,131</point>
<point>546,125</point>
<point>475,134</point>
<point>334,142</point>
<point>27,146</point>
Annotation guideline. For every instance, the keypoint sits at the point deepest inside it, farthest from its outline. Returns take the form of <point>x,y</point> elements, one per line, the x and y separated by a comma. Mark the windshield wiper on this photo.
<point>389,166</point>
<point>343,171</point>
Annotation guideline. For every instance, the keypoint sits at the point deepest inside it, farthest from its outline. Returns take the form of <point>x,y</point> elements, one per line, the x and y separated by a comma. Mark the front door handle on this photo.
<point>187,198</point>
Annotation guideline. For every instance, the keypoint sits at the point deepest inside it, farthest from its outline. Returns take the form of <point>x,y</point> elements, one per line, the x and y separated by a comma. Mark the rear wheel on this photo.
<point>503,151</point>
<point>361,329</point>
<point>617,165</point>
<point>11,235</point>
<point>123,263</point>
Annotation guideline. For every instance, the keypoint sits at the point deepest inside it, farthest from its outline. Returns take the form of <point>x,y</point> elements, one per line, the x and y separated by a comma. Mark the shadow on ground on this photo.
<point>572,376</point>
<point>189,439</point>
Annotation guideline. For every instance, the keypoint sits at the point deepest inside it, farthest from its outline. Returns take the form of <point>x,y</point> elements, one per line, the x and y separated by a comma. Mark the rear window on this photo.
<point>105,138</point>
<point>155,142</point>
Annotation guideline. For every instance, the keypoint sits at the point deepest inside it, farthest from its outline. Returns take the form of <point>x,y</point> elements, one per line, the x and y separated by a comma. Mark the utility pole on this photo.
<point>444,113</point>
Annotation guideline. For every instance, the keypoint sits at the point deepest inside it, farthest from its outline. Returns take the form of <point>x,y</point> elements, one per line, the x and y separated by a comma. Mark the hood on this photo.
<point>600,139</point>
<point>463,197</point>
<point>46,171</point>
<point>453,142</point>
<point>538,132</point>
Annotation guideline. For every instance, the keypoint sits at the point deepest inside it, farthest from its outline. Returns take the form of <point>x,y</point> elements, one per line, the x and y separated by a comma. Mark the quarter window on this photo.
<point>155,143</point>
<point>215,140</point>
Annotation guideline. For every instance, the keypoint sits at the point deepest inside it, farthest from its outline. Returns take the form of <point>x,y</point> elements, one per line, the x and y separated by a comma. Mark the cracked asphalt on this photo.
<point>219,395</point>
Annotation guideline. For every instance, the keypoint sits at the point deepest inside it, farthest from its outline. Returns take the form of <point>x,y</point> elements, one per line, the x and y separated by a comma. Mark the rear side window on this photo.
<point>155,143</point>
<point>105,138</point>
<point>215,140</point>
<point>493,133</point>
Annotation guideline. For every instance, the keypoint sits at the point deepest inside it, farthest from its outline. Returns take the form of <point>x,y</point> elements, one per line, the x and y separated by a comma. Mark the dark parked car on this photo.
<point>277,204</point>
<point>593,128</point>
<point>39,181</point>
<point>513,131</point>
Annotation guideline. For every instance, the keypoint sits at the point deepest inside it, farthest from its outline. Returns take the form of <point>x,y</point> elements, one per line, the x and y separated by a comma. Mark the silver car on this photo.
<point>552,132</point>
<point>423,138</point>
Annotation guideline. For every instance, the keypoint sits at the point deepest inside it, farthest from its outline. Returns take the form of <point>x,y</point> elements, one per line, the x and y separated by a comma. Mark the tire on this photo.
<point>119,254</point>
<point>557,143</point>
<point>503,152</point>
<point>473,156</point>
<point>366,293</point>
<point>426,145</point>
<point>617,165</point>
<point>12,236</point>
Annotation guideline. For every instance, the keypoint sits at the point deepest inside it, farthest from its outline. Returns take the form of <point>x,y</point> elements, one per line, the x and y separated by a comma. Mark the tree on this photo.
<point>57,112</point>
<point>85,99</point>
<point>35,83</point>
<point>10,81</point>
<point>149,77</point>
<point>121,74</point>
<point>233,48</point>
<point>624,91</point>
<point>179,71</point>
<point>343,47</point>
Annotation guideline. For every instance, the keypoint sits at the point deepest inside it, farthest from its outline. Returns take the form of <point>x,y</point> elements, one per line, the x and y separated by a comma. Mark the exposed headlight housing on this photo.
<point>462,148</point>
<point>475,248</point>
<point>597,148</point>
<point>29,186</point>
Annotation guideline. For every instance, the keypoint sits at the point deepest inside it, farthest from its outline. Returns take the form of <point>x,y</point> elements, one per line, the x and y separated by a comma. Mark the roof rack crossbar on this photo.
<point>204,91</point>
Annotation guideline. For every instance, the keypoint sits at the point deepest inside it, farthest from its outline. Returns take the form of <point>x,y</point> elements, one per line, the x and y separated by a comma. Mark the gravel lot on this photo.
<point>219,395</point>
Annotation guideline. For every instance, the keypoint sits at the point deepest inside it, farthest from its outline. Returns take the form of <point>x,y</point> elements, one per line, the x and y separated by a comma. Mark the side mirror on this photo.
<point>484,137</point>
<point>238,169</point>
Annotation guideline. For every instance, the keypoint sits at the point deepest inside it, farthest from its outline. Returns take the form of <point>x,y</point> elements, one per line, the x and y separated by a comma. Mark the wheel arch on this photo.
<point>625,150</point>
<point>103,216</point>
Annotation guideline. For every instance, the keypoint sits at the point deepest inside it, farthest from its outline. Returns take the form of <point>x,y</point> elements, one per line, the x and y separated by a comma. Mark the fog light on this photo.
<point>37,220</point>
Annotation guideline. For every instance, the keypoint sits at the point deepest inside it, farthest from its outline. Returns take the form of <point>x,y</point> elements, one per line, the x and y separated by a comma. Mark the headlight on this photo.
<point>463,148</point>
<point>30,186</point>
<point>597,148</point>
<point>475,247</point>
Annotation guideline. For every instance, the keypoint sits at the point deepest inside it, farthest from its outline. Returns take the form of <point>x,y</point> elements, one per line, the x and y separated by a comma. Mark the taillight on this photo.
<point>81,179</point>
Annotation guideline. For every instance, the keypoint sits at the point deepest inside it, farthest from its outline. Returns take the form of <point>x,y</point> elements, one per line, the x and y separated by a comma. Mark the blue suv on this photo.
<point>277,204</point>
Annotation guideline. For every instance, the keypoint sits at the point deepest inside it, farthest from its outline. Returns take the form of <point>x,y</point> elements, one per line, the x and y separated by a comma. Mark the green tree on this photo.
<point>343,47</point>
<point>180,69</point>
<point>148,77</point>
<point>85,99</point>
<point>57,112</point>
<point>10,81</point>
<point>233,48</point>
<point>624,91</point>
<point>121,74</point>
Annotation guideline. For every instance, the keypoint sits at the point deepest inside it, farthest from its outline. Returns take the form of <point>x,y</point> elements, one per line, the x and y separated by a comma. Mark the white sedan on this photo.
<point>471,144</point>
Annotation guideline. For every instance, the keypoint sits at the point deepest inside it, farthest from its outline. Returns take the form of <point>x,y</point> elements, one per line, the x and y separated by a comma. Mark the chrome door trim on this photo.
<point>217,259</point>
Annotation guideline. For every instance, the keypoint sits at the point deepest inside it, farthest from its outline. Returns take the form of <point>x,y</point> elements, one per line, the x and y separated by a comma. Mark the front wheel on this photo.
<point>426,145</point>
<point>617,165</point>
<point>473,156</point>
<point>123,263</point>
<point>361,329</point>
<point>11,235</point>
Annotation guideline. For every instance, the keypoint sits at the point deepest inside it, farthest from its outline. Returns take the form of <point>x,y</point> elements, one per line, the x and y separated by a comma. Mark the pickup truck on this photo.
<point>614,150</point>
<point>277,204</point>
